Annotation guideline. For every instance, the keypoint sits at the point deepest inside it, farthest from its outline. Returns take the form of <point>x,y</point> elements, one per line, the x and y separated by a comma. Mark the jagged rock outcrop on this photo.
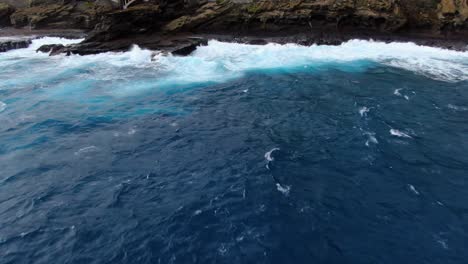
<point>160,24</point>
<point>453,14</point>
<point>280,15</point>
<point>375,15</point>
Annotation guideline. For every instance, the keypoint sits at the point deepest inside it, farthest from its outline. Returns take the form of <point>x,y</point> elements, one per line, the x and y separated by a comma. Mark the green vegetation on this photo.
<point>254,8</point>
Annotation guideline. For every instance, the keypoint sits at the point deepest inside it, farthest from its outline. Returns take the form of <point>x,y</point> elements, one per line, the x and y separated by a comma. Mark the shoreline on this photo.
<point>185,43</point>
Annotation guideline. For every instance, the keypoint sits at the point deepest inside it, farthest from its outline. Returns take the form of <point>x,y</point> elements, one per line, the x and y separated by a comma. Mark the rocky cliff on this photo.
<point>64,14</point>
<point>159,18</point>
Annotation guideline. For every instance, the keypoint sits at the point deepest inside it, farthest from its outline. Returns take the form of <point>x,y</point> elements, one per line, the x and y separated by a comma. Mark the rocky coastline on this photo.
<point>179,26</point>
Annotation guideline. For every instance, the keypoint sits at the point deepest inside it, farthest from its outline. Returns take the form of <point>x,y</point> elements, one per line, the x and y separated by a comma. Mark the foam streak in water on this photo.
<point>2,106</point>
<point>398,133</point>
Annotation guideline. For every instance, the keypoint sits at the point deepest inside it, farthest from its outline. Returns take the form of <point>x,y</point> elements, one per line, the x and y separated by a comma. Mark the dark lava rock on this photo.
<point>52,49</point>
<point>14,44</point>
<point>188,46</point>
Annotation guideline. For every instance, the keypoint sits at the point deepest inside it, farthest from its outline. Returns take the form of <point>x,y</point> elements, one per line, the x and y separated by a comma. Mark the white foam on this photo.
<point>85,150</point>
<point>37,43</point>
<point>432,62</point>
<point>218,62</point>
<point>443,244</point>
<point>398,133</point>
<point>397,93</point>
<point>131,131</point>
<point>197,212</point>
<point>371,138</point>
<point>413,189</point>
<point>268,156</point>
<point>284,189</point>
<point>363,111</point>
<point>457,108</point>
<point>3,106</point>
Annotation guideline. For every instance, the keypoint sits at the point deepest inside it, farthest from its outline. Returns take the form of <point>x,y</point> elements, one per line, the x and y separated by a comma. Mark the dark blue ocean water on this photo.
<point>109,159</point>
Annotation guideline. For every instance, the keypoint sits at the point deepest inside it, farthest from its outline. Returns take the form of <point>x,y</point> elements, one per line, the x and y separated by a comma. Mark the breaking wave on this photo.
<point>218,62</point>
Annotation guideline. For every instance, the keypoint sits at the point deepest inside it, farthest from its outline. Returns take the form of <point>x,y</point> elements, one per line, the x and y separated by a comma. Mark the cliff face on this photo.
<point>250,15</point>
<point>64,14</point>
<point>378,15</point>
<point>154,22</point>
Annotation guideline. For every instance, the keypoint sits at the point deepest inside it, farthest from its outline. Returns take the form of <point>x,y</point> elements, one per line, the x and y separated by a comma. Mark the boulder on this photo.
<point>52,49</point>
<point>187,46</point>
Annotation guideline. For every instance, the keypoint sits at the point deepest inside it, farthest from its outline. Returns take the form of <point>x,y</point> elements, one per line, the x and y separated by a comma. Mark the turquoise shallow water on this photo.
<point>235,154</point>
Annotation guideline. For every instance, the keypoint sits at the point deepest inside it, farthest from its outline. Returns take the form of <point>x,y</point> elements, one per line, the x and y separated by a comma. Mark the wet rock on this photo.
<point>52,49</point>
<point>7,45</point>
<point>188,46</point>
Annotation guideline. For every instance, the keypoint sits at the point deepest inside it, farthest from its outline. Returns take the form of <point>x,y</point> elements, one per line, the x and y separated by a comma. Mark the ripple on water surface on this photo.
<point>236,154</point>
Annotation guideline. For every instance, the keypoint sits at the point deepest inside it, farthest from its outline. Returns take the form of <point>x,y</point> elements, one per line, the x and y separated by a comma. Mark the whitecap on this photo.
<point>197,212</point>
<point>222,250</point>
<point>443,244</point>
<point>284,189</point>
<point>371,138</point>
<point>363,111</point>
<point>413,189</point>
<point>457,108</point>
<point>268,156</point>
<point>131,131</point>
<point>3,106</point>
<point>220,62</point>
<point>397,93</point>
<point>398,133</point>
<point>441,241</point>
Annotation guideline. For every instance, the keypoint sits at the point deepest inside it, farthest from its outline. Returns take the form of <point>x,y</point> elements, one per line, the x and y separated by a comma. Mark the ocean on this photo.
<point>235,154</point>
